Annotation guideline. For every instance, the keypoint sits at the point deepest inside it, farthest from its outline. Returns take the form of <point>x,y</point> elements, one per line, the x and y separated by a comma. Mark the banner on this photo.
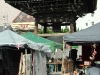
<point>23,25</point>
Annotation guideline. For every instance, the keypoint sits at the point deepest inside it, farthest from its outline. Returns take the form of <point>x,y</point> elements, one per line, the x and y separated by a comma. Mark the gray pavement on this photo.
<point>55,73</point>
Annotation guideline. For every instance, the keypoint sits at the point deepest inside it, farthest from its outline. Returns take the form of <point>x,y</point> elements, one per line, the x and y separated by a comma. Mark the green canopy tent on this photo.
<point>33,37</point>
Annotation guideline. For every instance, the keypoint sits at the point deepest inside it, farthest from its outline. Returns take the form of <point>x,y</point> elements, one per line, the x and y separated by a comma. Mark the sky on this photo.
<point>81,22</point>
<point>11,12</point>
<point>7,13</point>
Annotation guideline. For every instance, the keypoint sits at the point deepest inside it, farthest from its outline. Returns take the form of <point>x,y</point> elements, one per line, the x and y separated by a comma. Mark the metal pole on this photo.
<point>25,61</point>
<point>55,61</point>
<point>63,55</point>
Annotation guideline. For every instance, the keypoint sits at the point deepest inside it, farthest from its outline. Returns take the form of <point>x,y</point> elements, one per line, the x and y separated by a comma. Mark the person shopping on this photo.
<point>93,70</point>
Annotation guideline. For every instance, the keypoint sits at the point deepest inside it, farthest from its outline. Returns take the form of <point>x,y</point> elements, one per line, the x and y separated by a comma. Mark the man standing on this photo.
<point>93,70</point>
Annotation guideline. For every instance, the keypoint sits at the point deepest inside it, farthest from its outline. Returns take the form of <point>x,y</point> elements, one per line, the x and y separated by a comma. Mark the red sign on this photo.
<point>24,25</point>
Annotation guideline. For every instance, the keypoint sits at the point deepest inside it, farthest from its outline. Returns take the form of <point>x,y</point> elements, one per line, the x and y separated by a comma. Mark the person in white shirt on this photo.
<point>93,70</point>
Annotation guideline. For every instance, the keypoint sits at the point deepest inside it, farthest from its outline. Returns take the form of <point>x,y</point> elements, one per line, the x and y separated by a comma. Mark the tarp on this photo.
<point>40,67</point>
<point>57,38</point>
<point>35,38</point>
<point>90,34</point>
<point>11,38</point>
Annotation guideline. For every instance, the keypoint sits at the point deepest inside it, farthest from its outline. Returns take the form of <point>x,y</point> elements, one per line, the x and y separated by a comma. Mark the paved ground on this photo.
<point>55,73</point>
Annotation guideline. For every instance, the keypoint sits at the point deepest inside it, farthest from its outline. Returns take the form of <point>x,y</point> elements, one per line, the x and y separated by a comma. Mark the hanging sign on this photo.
<point>23,25</point>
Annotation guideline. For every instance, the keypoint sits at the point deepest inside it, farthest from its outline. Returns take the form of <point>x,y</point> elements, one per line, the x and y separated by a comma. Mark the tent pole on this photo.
<point>63,55</point>
<point>55,62</point>
<point>25,60</point>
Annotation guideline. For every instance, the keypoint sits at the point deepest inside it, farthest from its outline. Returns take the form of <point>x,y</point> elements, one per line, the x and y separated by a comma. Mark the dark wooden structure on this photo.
<point>55,13</point>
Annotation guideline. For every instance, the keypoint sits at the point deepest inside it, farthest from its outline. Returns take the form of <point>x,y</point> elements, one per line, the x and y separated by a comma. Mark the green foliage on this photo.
<point>41,31</point>
<point>61,30</point>
<point>48,31</point>
<point>65,30</point>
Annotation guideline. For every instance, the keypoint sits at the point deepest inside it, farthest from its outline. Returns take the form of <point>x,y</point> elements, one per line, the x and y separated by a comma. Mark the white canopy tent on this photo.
<point>10,38</point>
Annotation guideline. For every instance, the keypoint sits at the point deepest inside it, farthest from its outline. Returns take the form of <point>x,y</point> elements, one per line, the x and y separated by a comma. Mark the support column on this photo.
<point>45,28</point>
<point>72,26</point>
<point>36,27</point>
<point>75,27</point>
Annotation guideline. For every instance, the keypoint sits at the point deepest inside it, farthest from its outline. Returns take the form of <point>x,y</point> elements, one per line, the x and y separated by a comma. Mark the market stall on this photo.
<point>88,38</point>
<point>54,46</point>
<point>20,55</point>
